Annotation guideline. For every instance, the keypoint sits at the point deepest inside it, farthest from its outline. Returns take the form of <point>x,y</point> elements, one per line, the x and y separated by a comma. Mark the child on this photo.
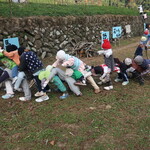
<point>12,53</point>
<point>8,63</point>
<point>43,75</point>
<point>77,75</point>
<point>139,50</point>
<point>30,62</point>
<point>74,63</point>
<point>108,54</point>
<point>61,74</point>
<point>104,73</point>
<point>122,74</point>
<point>134,69</point>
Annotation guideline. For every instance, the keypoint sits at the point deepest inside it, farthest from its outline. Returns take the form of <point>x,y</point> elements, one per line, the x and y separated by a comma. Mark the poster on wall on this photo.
<point>116,32</point>
<point>128,29</point>
<point>104,35</point>
<point>11,41</point>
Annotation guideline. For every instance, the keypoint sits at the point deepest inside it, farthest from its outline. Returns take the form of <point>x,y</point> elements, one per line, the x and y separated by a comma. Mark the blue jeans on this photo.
<point>14,71</point>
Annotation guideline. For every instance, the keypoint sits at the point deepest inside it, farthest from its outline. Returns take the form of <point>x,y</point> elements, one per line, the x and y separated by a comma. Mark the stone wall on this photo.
<point>49,34</point>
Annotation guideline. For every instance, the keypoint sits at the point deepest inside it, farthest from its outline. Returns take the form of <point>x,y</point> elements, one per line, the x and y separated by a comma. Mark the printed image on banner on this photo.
<point>116,32</point>
<point>11,41</point>
<point>104,35</point>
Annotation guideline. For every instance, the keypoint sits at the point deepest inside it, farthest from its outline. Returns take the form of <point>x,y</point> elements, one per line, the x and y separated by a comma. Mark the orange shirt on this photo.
<point>13,55</point>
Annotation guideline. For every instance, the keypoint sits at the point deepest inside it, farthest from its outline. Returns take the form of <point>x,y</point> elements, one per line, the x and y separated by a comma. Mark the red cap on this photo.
<point>146,32</point>
<point>106,44</point>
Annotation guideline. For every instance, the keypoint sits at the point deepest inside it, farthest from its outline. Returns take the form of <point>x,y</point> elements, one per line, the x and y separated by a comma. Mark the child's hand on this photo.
<point>100,52</point>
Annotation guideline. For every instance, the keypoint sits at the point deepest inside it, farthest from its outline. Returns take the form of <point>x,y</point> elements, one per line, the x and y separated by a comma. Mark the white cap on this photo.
<point>143,38</point>
<point>128,61</point>
<point>60,55</point>
<point>138,59</point>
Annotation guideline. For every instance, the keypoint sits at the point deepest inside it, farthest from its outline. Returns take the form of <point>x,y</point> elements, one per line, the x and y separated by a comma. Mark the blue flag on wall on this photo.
<point>104,35</point>
<point>116,31</point>
<point>11,41</point>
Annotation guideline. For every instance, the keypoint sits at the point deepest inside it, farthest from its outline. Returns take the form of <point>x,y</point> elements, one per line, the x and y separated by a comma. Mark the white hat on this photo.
<point>138,59</point>
<point>143,38</point>
<point>49,68</point>
<point>60,55</point>
<point>128,61</point>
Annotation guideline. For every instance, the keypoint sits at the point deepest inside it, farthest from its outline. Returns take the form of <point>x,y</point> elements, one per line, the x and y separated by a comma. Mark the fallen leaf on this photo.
<point>52,142</point>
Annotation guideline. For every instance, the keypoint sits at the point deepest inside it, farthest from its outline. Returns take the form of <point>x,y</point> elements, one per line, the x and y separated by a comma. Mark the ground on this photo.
<point>117,119</point>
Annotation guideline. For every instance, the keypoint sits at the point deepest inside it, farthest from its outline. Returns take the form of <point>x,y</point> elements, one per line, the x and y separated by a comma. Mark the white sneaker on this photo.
<point>23,99</point>
<point>38,94</point>
<point>118,80</point>
<point>108,87</point>
<point>42,98</point>
<point>111,87</point>
<point>125,82</point>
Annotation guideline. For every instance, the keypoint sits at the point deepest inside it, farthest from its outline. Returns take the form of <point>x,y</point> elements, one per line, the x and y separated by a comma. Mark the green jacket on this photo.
<point>76,74</point>
<point>8,63</point>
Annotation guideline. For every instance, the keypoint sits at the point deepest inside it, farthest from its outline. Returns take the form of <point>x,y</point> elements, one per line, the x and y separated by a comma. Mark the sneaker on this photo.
<point>23,99</point>
<point>118,80</point>
<point>7,96</point>
<point>42,98</point>
<point>14,80</point>
<point>108,87</point>
<point>97,91</point>
<point>79,83</point>
<point>32,82</point>
<point>65,95</point>
<point>38,94</point>
<point>125,82</point>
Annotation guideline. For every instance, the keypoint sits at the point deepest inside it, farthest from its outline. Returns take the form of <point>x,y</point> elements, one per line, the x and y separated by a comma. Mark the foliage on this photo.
<point>42,9</point>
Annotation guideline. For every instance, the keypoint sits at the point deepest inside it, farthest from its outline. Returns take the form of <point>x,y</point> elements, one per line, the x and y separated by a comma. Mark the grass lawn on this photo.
<point>44,9</point>
<point>117,119</point>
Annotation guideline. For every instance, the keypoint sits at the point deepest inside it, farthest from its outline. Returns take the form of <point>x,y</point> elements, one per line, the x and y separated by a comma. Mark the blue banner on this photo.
<point>104,35</point>
<point>116,32</point>
<point>11,41</point>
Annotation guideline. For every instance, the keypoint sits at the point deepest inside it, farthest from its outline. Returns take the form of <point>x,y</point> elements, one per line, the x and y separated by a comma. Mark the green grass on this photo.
<point>81,122</point>
<point>42,9</point>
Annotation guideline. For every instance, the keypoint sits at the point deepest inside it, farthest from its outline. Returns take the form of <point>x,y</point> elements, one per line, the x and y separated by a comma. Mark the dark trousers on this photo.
<point>123,76</point>
<point>38,84</point>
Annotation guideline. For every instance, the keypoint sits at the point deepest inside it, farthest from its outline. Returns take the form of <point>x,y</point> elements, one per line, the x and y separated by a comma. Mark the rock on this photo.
<point>5,33</point>
<point>63,44</point>
<point>31,44</point>
<point>43,55</point>
<point>58,33</point>
<point>25,37</point>
<point>33,49</point>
